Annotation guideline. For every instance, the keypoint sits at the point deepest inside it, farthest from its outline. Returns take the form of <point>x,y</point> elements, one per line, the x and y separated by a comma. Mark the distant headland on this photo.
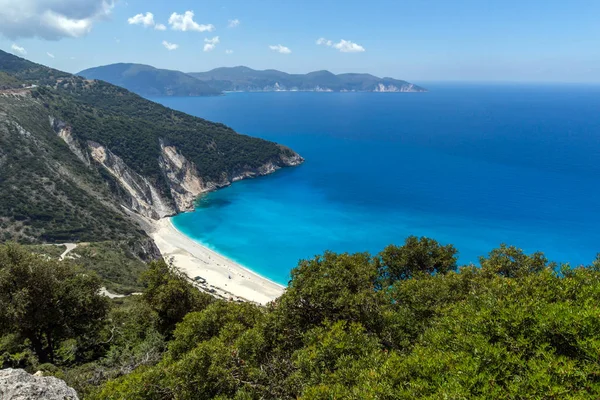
<point>149,81</point>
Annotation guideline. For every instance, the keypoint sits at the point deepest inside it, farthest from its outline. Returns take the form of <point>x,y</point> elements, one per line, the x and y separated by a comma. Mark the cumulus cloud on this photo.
<point>146,20</point>
<point>280,49</point>
<point>233,23</point>
<point>344,46</point>
<point>185,22</point>
<point>324,42</point>
<point>18,49</point>
<point>210,44</point>
<point>51,19</point>
<point>228,51</point>
<point>170,46</point>
<point>141,19</point>
<point>50,55</point>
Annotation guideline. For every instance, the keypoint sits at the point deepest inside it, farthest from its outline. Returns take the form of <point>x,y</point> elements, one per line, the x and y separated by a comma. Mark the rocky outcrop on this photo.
<point>143,197</point>
<point>182,176</point>
<point>184,180</point>
<point>16,384</point>
<point>408,87</point>
<point>65,132</point>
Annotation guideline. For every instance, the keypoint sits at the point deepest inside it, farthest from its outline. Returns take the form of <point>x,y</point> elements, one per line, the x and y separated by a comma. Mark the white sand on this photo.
<point>224,277</point>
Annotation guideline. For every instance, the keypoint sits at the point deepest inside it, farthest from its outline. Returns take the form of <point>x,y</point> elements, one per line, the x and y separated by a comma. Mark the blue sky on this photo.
<point>416,40</point>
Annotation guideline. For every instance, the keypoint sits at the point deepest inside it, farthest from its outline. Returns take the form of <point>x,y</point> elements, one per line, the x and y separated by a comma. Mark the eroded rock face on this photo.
<point>183,178</point>
<point>144,198</point>
<point>16,384</point>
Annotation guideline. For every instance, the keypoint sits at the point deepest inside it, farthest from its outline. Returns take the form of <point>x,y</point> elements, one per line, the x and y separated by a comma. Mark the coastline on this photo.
<point>224,277</point>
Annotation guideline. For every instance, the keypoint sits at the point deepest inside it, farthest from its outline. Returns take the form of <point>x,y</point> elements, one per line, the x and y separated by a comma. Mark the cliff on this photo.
<point>87,156</point>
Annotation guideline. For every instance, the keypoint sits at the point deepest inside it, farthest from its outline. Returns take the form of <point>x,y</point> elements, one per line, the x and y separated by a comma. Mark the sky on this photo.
<point>415,40</point>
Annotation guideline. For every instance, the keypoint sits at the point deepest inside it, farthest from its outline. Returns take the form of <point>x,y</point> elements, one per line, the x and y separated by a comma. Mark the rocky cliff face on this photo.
<point>183,179</point>
<point>182,176</point>
<point>383,88</point>
<point>144,198</point>
<point>16,384</point>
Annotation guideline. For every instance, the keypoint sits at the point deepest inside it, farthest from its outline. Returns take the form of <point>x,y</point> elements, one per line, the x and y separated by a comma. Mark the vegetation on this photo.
<point>407,323</point>
<point>9,82</point>
<point>149,81</point>
<point>50,194</point>
<point>247,79</point>
<point>47,194</point>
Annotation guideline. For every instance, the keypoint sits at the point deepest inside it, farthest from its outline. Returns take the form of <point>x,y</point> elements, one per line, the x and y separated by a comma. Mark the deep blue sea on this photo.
<point>471,165</point>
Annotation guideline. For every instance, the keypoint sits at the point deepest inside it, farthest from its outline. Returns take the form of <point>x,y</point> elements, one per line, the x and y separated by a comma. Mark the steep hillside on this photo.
<point>79,157</point>
<point>246,79</point>
<point>149,81</point>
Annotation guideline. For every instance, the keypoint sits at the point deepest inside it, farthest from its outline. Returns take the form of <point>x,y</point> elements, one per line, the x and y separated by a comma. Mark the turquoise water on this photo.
<point>471,165</point>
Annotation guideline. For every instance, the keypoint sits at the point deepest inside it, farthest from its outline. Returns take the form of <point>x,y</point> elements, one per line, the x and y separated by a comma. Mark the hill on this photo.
<point>79,159</point>
<point>247,79</point>
<point>149,81</point>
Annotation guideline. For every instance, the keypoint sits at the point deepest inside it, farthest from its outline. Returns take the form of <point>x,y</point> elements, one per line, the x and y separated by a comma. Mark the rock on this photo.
<point>16,384</point>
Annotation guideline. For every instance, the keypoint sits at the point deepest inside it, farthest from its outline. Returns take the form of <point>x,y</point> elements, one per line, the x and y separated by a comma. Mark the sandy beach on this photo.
<point>224,277</point>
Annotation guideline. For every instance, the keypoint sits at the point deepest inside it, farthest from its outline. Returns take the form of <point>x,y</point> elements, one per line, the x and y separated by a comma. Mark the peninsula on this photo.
<point>149,81</point>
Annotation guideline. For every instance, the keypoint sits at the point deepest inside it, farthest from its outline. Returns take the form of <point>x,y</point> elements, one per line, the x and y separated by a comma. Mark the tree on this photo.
<point>170,295</point>
<point>48,301</point>
<point>511,262</point>
<point>417,255</point>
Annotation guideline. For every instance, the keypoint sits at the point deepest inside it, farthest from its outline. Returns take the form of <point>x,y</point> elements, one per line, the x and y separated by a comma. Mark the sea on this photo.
<point>473,165</point>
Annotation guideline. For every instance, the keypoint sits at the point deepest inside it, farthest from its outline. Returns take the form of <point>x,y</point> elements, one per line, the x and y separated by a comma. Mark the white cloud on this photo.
<point>233,23</point>
<point>18,49</point>
<point>50,55</point>
<point>51,19</point>
<point>346,46</point>
<point>170,46</point>
<point>141,19</point>
<point>324,42</point>
<point>185,22</point>
<point>210,44</point>
<point>280,49</point>
<point>228,51</point>
<point>147,20</point>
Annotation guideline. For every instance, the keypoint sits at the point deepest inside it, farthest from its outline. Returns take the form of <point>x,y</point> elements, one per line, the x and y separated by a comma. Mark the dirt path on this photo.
<point>70,247</point>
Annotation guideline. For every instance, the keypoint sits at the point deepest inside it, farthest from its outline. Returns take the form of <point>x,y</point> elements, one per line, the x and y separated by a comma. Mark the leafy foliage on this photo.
<point>347,328</point>
<point>31,287</point>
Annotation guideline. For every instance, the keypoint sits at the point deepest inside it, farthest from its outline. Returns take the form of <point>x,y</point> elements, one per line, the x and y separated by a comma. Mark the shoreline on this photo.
<point>224,277</point>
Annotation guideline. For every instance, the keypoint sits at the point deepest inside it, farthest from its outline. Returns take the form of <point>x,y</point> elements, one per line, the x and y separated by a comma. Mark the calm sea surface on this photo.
<point>471,165</point>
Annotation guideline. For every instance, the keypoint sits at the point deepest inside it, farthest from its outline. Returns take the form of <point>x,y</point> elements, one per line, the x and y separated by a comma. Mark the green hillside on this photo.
<point>149,81</point>
<point>54,188</point>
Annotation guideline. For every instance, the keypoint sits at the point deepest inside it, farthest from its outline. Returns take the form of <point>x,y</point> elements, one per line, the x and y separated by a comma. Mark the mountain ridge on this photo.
<point>149,81</point>
<point>242,78</point>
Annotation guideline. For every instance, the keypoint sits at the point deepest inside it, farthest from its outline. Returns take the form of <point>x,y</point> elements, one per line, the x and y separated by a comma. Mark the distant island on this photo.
<point>244,79</point>
<point>149,81</point>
